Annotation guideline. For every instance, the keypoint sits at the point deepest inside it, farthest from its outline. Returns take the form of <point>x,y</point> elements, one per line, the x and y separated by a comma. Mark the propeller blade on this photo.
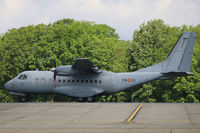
<point>54,77</point>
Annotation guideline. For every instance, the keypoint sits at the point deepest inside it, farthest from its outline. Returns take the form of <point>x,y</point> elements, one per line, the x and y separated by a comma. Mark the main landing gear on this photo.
<point>86,99</point>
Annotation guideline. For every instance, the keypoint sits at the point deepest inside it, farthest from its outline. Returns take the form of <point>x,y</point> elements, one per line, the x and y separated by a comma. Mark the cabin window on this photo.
<point>77,80</point>
<point>73,81</point>
<point>95,81</point>
<point>59,80</point>
<point>91,81</point>
<point>82,81</point>
<point>68,81</point>
<point>86,81</point>
<point>99,81</point>
<point>64,81</point>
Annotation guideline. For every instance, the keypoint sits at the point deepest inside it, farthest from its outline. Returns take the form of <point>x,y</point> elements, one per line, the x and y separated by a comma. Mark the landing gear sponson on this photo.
<point>84,99</point>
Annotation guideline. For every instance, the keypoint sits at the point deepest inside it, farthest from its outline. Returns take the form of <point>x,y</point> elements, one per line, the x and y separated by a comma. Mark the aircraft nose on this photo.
<point>6,85</point>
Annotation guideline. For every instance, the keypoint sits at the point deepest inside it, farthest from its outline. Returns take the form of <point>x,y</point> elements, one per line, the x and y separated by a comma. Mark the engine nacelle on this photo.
<point>66,70</point>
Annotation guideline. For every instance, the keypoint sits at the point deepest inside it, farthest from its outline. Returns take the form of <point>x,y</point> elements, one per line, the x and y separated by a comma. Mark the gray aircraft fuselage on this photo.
<point>76,85</point>
<point>83,80</point>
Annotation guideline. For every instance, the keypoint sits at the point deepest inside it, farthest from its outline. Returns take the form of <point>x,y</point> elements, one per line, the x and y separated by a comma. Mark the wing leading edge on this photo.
<point>81,66</point>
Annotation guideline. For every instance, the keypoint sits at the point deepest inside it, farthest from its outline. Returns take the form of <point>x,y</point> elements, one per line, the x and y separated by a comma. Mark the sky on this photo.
<point>123,15</point>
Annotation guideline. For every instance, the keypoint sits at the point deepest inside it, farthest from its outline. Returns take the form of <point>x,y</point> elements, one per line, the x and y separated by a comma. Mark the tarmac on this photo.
<point>99,117</point>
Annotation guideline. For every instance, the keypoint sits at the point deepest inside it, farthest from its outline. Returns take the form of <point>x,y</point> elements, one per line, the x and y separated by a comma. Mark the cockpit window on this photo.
<point>22,77</point>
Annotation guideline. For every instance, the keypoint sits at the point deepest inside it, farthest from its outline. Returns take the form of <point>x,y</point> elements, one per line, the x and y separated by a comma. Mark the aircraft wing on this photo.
<point>85,65</point>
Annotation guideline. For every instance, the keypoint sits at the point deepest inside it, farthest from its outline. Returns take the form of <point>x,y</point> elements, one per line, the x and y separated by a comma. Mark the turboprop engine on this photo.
<point>65,71</point>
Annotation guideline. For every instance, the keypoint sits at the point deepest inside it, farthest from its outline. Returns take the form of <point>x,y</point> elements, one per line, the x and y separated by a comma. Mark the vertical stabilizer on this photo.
<point>180,58</point>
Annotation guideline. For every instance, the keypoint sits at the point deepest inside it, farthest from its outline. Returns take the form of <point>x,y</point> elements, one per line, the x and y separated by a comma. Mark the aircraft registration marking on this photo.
<point>128,80</point>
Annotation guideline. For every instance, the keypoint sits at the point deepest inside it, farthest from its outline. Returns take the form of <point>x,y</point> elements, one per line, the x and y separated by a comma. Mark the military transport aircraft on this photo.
<point>84,81</point>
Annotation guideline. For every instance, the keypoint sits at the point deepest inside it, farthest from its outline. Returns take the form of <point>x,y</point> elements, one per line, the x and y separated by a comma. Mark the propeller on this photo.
<point>54,78</point>
<point>54,73</point>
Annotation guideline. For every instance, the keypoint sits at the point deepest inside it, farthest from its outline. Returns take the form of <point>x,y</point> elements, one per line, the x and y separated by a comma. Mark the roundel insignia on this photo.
<point>129,80</point>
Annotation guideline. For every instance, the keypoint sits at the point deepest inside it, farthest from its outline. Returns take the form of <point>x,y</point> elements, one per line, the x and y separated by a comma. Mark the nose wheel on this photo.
<point>22,99</point>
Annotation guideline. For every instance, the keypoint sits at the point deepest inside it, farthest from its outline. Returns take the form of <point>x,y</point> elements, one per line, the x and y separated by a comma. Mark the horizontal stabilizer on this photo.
<point>179,74</point>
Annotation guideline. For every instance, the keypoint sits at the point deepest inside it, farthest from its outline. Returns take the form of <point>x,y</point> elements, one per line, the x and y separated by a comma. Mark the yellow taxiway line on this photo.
<point>134,113</point>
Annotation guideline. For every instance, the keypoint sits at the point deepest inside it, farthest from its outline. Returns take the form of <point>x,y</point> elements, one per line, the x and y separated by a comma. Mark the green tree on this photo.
<point>44,46</point>
<point>150,45</point>
<point>60,43</point>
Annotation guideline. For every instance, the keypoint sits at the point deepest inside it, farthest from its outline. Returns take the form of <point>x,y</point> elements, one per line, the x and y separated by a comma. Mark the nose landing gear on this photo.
<point>23,99</point>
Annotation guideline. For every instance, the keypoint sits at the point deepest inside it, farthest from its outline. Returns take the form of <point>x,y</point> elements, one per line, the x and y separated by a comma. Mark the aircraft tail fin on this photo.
<point>180,58</point>
<point>178,62</point>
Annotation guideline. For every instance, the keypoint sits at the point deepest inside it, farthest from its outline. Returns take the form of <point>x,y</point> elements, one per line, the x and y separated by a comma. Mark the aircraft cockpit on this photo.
<point>22,77</point>
<point>19,84</point>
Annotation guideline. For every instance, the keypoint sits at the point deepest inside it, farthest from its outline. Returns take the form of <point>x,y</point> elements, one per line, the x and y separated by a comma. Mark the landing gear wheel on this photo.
<point>90,99</point>
<point>81,99</point>
<point>23,99</point>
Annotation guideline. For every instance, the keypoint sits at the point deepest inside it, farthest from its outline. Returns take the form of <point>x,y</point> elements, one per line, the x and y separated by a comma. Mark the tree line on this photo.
<point>45,46</point>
